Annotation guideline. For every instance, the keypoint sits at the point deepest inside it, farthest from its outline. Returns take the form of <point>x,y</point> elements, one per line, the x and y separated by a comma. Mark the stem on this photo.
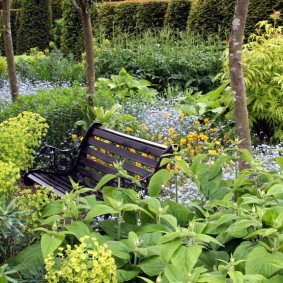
<point>119,219</point>
<point>176,189</point>
<point>135,258</point>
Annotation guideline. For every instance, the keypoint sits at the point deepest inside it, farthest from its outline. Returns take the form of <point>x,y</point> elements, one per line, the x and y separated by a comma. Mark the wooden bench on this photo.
<point>94,158</point>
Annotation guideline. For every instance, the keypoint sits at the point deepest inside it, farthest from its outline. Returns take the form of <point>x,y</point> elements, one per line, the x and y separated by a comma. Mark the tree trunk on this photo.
<point>9,50</point>
<point>237,77</point>
<point>82,8</point>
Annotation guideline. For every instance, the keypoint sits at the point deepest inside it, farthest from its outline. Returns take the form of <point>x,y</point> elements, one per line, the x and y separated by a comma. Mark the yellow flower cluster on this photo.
<point>31,204</point>
<point>85,263</point>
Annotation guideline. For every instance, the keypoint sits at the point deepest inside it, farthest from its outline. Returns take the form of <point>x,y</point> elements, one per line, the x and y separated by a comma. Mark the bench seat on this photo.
<point>95,157</point>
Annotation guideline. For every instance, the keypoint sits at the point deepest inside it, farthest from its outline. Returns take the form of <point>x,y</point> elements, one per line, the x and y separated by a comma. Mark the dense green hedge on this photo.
<point>177,14</point>
<point>151,14</point>
<point>211,16</point>
<point>15,14</point>
<point>35,25</point>
<point>72,33</point>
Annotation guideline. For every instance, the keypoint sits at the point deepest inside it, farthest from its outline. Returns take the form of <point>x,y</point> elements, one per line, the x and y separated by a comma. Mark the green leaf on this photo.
<point>170,219</point>
<point>98,210</point>
<point>79,229</point>
<point>126,275</point>
<point>168,249</point>
<point>182,214</point>
<point>279,160</point>
<point>187,257</point>
<point>275,190</point>
<point>274,279</point>
<point>157,180</point>
<point>263,260</point>
<point>217,166</point>
<point>53,208</point>
<point>49,243</point>
<point>262,232</point>
<point>176,273</point>
<point>51,219</point>
<point>104,180</point>
<point>152,266</point>
<point>197,161</point>
<point>119,249</point>
<point>236,276</point>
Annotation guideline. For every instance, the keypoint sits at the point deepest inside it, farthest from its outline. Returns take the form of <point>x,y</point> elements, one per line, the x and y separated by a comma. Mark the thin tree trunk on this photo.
<point>88,41</point>
<point>9,51</point>
<point>237,77</point>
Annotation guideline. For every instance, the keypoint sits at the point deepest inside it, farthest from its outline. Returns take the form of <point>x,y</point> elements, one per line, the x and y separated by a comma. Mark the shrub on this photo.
<point>60,107</point>
<point>50,66</point>
<point>72,35</point>
<point>150,14</point>
<point>124,19</point>
<point>177,13</point>
<point>34,14</point>
<point>263,76</point>
<point>15,15</point>
<point>162,58</point>
<point>3,66</point>
<point>105,18</point>
<point>86,262</point>
<point>19,136</point>
<point>212,16</point>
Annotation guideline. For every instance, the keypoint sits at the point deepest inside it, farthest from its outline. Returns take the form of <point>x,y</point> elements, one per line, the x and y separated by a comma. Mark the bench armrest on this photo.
<point>53,159</point>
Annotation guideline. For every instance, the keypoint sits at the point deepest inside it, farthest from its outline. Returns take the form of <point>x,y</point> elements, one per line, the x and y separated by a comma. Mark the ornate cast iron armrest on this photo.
<point>52,159</point>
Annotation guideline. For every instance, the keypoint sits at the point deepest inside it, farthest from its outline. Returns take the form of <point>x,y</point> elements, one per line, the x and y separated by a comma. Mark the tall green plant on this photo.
<point>263,77</point>
<point>34,14</point>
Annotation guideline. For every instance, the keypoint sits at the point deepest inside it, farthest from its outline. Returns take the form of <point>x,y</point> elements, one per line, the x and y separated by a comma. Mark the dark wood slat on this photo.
<point>136,170</point>
<point>48,180</point>
<point>123,152</point>
<point>131,142</point>
<point>89,174</point>
<point>96,165</point>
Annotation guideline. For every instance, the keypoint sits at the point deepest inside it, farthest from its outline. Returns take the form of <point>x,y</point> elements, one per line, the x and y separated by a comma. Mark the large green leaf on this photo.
<point>79,229</point>
<point>157,180</point>
<point>259,261</point>
<point>152,266</point>
<point>98,210</point>
<point>274,279</point>
<point>176,274</point>
<point>182,214</point>
<point>49,243</point>
<point>241,253</point>
<point>217,166</point>
<point>119,249</point>
<point>187,256</point>
<point>236,276</point>
<point>167,250</point>
<point>126,275</point>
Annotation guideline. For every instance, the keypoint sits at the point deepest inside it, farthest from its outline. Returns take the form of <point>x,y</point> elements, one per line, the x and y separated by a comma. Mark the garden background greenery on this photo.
<point>203,221</point>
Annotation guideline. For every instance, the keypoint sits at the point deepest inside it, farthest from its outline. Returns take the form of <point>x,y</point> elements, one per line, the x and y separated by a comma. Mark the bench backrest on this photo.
<point>102,147</point>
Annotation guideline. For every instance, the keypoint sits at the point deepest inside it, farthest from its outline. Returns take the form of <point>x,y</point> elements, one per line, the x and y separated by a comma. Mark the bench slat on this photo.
<point>130,142</point>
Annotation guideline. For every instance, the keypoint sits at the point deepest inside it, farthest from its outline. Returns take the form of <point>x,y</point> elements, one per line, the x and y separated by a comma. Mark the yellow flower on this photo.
<point>206,121</point>
<point>182,141</point>
<point>212,151</point>
<point>166,115</point>
<point>182,116</point>
<point>128,129</point>
<point>171,131</point>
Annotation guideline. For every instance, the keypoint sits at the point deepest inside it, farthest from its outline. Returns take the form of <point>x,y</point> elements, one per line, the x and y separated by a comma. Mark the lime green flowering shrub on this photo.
<point>9,174</point>
<point>31,203</point>
<point>19,137</point>
<point>86,262</point>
